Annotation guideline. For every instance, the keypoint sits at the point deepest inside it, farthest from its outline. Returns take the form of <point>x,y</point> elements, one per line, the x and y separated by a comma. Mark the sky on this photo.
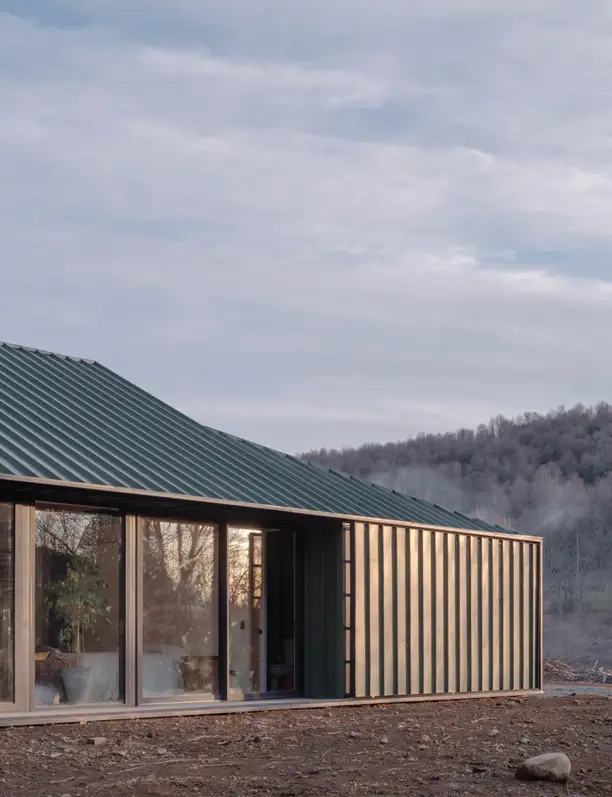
<point>314,224</point>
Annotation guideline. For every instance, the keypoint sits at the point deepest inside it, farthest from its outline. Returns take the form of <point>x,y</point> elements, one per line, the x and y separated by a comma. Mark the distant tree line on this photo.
<point>549,475</point>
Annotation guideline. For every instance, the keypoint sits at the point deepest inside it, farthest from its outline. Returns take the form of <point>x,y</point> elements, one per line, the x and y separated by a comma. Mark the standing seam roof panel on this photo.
<point>197,446</point>
<point>384,504</point>
<point>120,431</point>
<point>74,420</point>
<point>260,452</point>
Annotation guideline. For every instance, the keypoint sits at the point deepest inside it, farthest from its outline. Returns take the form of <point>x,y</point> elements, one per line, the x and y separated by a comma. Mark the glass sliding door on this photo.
<point>7,603</point>
<point>180,610</point>
<point>246,620</point>
<point>262,628</point>
<point>79,618</point>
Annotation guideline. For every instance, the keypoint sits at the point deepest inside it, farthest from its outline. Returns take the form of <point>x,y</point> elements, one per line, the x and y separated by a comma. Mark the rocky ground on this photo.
<point>451,748</point>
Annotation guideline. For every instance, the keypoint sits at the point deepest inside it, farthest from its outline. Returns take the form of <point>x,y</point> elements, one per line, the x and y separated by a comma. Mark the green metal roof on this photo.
<point>72,420</point>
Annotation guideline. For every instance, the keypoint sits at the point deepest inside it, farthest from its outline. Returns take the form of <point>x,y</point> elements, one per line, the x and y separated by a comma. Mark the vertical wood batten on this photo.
<point>532,618</point>
<point>524,608</point>
<point>425,620</point>
<point>475,646</point>
<point>359,588</point>
<point>495,618</point>
<point>516,615</point>
<point>540,617</point>
<point>441,586</point>
<point>462,613</point>
<point>452,614</point>
<point>403,652</point>
<point>485,554</point>
<point>506,603</point>
<point>388,574</point>
<point>468,610</point>
<point>414,573</point>
<point>443,611</point>
<point>374,619</point>
<point>395,611</point>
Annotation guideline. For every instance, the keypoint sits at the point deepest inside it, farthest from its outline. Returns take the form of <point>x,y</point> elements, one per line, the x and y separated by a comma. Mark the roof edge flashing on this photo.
<point>184,498</point>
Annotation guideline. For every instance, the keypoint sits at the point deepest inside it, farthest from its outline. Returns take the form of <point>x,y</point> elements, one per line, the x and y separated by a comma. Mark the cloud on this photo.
<point>313,225</point>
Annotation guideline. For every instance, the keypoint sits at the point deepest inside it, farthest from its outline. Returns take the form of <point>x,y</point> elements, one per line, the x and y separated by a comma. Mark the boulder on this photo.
<point>554,767</point>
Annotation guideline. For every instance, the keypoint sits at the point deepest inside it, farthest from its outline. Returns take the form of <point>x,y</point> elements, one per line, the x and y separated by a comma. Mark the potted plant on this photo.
<point>79,602</point>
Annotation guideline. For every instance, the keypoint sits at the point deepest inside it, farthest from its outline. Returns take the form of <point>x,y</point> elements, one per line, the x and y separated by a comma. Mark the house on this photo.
<point>150,565</point>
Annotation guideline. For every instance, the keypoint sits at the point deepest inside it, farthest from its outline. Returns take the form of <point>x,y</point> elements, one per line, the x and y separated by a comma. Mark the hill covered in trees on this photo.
<point>549,475</point>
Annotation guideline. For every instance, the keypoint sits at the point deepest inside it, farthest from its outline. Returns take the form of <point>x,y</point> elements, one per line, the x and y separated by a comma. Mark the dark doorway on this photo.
<point>280,612</point>
<point>262,625</point>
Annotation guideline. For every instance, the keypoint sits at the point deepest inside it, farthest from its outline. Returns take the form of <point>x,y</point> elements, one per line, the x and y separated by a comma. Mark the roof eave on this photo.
<point>129,491</point>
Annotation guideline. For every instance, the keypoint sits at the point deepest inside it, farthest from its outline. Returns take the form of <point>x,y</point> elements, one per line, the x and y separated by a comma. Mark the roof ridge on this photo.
<point>34,350</point>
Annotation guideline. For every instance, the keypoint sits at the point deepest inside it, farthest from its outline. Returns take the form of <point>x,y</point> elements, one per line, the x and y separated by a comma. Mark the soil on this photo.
<point>448,748</point>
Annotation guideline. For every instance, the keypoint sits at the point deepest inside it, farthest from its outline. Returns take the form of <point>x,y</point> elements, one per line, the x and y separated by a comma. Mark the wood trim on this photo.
<point>131,655</point>
<point>160,710</point>
<point>540,575</point>
<point>25,589</point>
<point>138,635</point>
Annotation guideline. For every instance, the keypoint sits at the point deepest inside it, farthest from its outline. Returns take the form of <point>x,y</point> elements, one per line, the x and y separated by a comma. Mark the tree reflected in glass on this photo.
<point>79,614</point>
<point>180,608</point>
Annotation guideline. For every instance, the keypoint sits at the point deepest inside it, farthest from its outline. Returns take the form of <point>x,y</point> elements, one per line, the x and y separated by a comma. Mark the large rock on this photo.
<point>555,767</point>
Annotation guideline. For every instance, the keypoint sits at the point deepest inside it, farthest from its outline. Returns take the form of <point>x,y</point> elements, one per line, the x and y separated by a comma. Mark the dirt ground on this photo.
<point>458,748</point>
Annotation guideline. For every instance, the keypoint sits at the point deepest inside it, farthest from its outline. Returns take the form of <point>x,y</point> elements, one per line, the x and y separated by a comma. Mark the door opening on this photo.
<point>280,613</point>
<point>261,591</point>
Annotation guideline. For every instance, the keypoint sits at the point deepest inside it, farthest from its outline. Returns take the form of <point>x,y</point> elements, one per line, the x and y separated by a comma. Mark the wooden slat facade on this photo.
<point>443,612</point>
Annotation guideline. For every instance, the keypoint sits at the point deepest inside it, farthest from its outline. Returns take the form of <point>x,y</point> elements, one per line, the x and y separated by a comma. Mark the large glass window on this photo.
<point>245,590</point>
<point>79,613</point>
<point>180,609</point>
<point>7,603</point>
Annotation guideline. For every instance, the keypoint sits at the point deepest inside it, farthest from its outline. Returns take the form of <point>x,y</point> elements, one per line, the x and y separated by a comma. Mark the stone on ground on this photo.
<point>97,741</point>
<point>554,767</point>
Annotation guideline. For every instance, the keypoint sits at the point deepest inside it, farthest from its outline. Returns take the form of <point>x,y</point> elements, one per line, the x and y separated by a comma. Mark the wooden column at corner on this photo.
<point>25,590</point>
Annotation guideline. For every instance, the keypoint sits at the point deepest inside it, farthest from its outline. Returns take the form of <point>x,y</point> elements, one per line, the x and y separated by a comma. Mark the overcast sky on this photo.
<point>314,223</point>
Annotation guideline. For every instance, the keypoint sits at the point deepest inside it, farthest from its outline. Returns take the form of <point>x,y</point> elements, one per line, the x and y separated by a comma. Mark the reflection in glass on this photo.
<point>7,603</point>
<point>79,616</point>
<point>180,609</point>
<point>245,587</point>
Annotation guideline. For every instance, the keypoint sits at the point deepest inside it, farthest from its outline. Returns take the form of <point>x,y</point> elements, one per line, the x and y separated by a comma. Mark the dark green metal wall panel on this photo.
<point>439,612</point>
<point>71,420</point>
<point>323,631</point>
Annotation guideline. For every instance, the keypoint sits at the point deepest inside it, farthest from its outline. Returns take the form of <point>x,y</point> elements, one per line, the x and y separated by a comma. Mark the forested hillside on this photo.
<point>548,475</point>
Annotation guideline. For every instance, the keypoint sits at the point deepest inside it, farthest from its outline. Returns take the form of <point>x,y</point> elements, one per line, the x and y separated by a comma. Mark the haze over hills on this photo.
<point>548,475</point>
